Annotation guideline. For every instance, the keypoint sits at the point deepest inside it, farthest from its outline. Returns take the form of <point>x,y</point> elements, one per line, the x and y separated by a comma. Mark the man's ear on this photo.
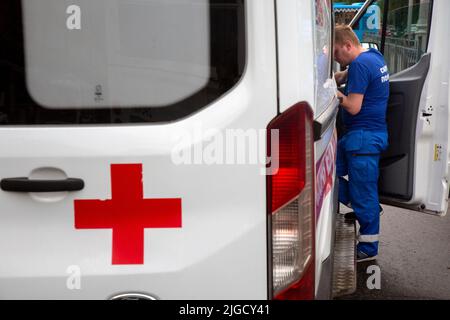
<point>348,45</point>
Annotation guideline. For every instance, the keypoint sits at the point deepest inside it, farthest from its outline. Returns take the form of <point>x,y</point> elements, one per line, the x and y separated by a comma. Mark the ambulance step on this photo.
<point>344,273</point>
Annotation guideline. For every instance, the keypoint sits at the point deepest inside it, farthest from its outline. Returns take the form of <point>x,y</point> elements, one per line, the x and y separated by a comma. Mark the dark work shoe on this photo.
<point>352,216</point>
<point>361,257</point>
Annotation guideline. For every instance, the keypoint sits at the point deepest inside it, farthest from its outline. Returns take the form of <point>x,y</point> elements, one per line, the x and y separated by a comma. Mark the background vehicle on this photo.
<point>368,25</point>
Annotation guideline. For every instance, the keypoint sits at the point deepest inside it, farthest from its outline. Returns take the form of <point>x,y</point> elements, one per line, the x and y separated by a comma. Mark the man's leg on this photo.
<point>363,188</point>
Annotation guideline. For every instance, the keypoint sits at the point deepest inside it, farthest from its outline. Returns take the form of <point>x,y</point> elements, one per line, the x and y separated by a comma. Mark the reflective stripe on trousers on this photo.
<point>369,238</point>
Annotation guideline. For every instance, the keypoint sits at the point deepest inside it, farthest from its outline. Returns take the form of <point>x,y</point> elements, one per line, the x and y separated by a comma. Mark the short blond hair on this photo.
<point>343,33</point>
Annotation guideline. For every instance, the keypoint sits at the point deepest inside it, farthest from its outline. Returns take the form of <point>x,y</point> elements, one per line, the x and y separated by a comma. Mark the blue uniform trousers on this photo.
<point>358,156</point>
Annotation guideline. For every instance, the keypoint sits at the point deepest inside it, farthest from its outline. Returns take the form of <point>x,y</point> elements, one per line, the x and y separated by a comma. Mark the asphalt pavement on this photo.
<point>414,258</point>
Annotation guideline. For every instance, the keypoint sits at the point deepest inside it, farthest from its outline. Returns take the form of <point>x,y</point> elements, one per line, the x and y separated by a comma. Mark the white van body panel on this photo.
<point>223,239</point>
<point>295,58</point>
<point>325,221</point>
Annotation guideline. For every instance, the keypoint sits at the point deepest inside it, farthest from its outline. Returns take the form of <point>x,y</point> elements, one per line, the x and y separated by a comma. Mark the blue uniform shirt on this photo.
<point>368,75</point>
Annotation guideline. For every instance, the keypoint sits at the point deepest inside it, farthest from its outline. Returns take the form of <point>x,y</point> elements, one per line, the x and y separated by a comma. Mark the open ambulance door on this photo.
<point>414,169</point>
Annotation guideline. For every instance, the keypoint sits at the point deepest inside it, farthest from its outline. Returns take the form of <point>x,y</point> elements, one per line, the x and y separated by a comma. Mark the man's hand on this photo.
<point>352,104</point>
<point>341,77</point>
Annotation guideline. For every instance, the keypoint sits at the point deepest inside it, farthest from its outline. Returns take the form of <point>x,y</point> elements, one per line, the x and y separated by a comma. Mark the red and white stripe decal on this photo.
<point>324,173</point>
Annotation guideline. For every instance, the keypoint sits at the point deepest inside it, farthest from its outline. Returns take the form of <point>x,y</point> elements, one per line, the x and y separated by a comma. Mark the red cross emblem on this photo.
<point>127,214</point>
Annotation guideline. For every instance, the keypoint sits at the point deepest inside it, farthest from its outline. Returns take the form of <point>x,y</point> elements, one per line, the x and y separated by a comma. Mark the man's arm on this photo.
<point>352,103</point>
<point>341,77</point>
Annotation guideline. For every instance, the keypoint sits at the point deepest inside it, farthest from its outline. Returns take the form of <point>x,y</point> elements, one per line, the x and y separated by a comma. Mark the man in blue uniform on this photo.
<point>364,106</point>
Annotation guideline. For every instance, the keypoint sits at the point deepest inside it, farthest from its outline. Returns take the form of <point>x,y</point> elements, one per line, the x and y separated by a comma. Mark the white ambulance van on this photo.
<point>185,149</point>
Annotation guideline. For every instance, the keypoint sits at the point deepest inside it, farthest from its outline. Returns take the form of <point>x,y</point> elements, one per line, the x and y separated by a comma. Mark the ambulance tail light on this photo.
<point>290,203</point>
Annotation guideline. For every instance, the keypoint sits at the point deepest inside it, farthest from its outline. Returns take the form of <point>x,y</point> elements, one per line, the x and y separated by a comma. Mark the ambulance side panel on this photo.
<point>220,252</point>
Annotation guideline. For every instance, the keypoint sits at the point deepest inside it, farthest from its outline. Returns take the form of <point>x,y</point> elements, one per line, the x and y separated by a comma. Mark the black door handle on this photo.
<point>27,185</point>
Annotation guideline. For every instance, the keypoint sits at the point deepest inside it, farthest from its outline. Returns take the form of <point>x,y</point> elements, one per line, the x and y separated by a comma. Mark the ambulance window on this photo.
<point>121,61</point>
<point>323,56</point>
<point>408,24</point>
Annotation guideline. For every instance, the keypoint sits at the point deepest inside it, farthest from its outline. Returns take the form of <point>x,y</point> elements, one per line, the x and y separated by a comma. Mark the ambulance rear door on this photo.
<point>114,117</point>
